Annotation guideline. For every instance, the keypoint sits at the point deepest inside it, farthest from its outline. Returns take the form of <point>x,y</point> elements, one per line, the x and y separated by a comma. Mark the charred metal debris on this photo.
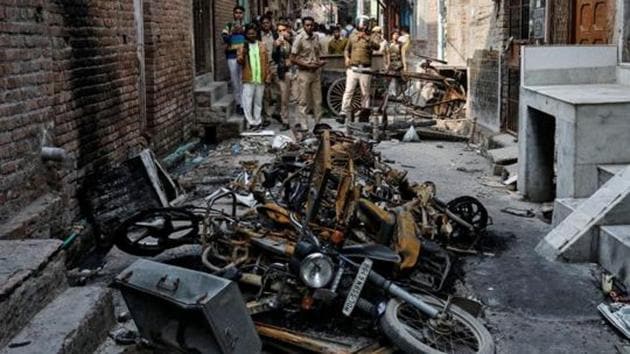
<point>333,250</point>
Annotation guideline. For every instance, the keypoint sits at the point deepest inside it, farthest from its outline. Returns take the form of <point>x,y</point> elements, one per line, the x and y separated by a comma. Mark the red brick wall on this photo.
<point>96,94</point>
<point>26,93</point>
<point>169,71</point>
<point>69,78</point>
<point>222,15</point>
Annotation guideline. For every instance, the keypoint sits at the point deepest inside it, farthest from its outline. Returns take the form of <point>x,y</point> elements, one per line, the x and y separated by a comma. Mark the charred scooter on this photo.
<point>414,323</point>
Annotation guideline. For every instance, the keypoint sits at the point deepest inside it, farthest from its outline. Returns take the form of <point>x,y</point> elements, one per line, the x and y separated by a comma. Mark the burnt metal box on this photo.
<point>187,310</point>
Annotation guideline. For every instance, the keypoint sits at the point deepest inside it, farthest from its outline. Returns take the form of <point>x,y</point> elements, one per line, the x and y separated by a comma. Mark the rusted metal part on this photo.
<point>406,243</point>
<point>320,344</point>
<point>319,175</point>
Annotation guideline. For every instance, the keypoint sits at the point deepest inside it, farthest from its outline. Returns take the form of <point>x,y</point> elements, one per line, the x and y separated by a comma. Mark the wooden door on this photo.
<point>594,21</point>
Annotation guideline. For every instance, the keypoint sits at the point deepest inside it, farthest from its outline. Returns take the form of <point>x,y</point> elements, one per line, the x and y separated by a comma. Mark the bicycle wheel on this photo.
<point>413,332</point>
<point>153,231</point>
<point>334,97</point>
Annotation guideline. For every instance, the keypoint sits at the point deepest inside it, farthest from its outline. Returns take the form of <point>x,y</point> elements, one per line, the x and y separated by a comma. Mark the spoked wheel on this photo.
<point>472,211</point>
<point>454,331</point>
<point>454,100</point>
<point>153,231</point>
<point>334,97</point>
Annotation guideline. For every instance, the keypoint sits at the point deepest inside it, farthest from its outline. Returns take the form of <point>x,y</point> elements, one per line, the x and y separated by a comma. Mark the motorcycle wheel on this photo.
<point>150,232</point>
<point>413,332</point>
<point>472,211</point>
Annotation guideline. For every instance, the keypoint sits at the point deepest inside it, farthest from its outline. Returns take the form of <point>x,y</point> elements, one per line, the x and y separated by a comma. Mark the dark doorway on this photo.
<point>202,17</point>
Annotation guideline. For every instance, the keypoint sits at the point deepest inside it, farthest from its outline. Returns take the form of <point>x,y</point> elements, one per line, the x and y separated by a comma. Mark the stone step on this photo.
<point>563,207</point>
<point>504,156</point>
<point>614,251</point>
<point>501,141</point>
<point>623,74</point>
<point>76,322</point>
<point>574,238</point>
<point>208,94</point>
<point>225,104</point>
<point>38,220</point>
<point>605,172</point>
<point>32,273</point>
<point>218,113</point>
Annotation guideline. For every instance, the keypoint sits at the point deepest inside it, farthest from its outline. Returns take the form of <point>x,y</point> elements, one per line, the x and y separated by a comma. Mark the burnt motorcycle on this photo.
<point>345,279</point>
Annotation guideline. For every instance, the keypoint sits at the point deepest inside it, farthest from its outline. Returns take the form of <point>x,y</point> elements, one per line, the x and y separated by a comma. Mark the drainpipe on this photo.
<point>441,28</point>
<point>50,153</point>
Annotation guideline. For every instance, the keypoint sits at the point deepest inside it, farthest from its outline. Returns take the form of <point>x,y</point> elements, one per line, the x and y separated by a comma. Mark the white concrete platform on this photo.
<point>585,94</point>
<point>76,322</point>
<point>614,251</point>
<point>574,104</point>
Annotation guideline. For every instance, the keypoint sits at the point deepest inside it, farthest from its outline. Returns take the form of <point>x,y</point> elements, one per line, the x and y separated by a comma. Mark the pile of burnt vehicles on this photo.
<point>329,237</point>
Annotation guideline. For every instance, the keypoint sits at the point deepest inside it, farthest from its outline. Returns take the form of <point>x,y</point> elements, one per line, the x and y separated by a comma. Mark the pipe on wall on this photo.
<point>441,28</point>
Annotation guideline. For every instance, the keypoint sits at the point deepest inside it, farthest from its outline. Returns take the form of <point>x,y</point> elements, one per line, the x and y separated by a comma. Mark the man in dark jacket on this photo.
<point>282,64</point>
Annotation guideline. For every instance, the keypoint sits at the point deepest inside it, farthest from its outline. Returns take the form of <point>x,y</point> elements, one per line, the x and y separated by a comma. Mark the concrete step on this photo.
<point>76,322</point>
<point>623,74</point>
<point>574,239</point>
<point>37,220</point>
<point>504,156</point>
<point>218,113</point>
<point>563,207</point>
<point>605,172</point>
<point>501,141</point>
<point>209,93</point>
<point>614,251</point>
<point>32,273</point>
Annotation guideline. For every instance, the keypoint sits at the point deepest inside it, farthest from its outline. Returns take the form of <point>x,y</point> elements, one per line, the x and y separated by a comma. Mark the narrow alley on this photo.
<point>314,176</point>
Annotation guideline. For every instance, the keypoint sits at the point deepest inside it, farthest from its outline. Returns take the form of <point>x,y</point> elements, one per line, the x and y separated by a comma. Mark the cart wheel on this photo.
<point>455,101</point>
<point>334,97</point>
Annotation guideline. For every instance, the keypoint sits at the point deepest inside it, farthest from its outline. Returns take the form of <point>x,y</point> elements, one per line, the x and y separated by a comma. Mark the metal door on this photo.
<point>593,21</point>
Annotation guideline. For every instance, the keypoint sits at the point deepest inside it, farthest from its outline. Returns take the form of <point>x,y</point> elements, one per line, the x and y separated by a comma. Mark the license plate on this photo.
<point>357,286</point>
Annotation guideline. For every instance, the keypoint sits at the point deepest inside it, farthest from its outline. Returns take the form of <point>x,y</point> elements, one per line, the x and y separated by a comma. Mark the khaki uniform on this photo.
<point>359,50</point>
<point>337,46</point>
<point>308,49</point>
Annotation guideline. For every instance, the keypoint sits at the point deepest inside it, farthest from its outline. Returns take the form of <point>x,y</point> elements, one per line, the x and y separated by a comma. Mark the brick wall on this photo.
<point>222,15</point>
<point>26,94</point>
<point>169,71</point>
<point>472,25</point>
<point>69,78</point>
<point>560,21</point>
<point>483,71</point>
<point>95,88</point>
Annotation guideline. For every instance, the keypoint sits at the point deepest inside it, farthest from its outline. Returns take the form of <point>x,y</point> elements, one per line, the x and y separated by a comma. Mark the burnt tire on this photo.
<point>165,228</point>
<point>408,340</point>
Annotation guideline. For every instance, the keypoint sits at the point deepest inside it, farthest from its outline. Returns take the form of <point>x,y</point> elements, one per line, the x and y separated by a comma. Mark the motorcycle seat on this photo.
<point>373,251</point>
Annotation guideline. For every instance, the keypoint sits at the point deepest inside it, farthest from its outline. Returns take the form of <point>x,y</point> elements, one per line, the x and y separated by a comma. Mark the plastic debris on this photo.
<point>411,135</point>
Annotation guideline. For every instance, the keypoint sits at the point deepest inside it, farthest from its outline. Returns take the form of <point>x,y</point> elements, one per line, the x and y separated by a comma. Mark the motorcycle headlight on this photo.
<point>316,270</point>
